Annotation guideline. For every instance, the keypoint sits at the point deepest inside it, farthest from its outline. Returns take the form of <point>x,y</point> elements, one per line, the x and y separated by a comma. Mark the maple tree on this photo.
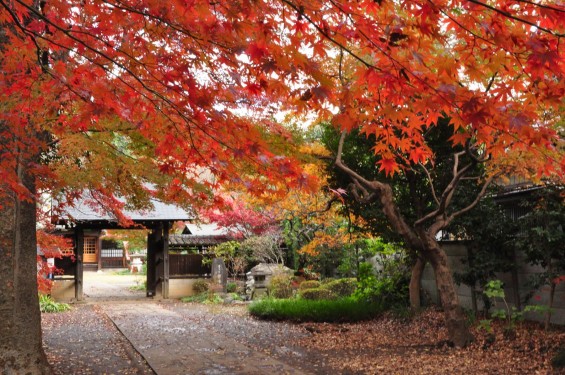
<point>240,217</point>
<point>293,216</point>
<point>111,97</point>
<point>188,89</point>
<point>415,205</point>
<point>311,220</point>
<point>426,62</point>
<point>50,246</point>
<point>131,240</point>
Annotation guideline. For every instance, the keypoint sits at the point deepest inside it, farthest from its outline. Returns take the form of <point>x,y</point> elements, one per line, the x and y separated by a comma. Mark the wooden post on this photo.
<point>165,249</point>
<point>151,266</point>
<point>79,249</point>
<point>159,260</point>
<point>99,251</point>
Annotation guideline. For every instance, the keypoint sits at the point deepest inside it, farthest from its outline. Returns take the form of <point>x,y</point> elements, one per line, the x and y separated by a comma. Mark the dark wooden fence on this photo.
<point>187,265</point>
<point>180,265</point>
<point>112,258</point>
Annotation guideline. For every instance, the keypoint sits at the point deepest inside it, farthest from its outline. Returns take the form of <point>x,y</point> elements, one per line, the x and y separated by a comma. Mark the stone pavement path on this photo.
<point>109,285</point>
<point>84,341</point>
<point>172,344</point>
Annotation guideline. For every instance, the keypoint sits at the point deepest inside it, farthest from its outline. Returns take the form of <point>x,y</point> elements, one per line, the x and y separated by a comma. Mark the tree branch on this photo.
<point>511,16</point>
<point>436,227</point>
<point>376,185</point>
<point>382,192</point>
<point>433,190</point>
<point>448,192</point>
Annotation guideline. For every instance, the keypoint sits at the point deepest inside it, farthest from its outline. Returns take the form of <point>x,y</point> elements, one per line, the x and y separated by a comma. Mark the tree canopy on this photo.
<point>112,94</point>
<point>183,86</point>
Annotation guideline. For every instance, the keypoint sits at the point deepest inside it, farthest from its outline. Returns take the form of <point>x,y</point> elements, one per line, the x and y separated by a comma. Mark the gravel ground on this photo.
<point>276,339</point>
<point>85,341</point>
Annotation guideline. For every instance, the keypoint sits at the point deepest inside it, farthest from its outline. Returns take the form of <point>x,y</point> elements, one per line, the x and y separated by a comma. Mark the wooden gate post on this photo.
<point>79,248</point>
<point>151,262</point>
<point>162,260</point>
<point>99,252</point>
<point>165,263</point>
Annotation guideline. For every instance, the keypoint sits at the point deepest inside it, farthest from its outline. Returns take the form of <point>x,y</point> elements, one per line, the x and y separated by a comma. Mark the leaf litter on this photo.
<point>386,345</point>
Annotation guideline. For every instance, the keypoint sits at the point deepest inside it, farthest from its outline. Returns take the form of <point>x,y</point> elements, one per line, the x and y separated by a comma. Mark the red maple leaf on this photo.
<point>388,165</point>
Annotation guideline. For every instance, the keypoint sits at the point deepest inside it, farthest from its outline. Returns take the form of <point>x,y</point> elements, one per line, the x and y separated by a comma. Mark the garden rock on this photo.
<point>219,273</point>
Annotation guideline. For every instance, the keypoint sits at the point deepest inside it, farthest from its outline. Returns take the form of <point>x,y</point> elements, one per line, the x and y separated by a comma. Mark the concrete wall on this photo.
<point>63,290</point>
<point>457,252</point>
<point>179,288</point>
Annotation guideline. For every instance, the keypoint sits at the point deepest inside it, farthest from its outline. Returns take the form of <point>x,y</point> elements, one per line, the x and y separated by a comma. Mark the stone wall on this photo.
<point>457,252</point>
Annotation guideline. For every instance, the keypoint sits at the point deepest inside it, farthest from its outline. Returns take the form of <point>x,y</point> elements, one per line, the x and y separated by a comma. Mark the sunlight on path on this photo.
<point>108,285</point>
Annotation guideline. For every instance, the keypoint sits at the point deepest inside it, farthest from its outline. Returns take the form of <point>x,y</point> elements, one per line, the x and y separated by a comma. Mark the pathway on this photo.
<point>109,285</point>
<point>173,344</point>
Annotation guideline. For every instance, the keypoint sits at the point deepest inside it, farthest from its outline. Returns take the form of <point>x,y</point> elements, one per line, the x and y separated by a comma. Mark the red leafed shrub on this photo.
<point>49,246</point>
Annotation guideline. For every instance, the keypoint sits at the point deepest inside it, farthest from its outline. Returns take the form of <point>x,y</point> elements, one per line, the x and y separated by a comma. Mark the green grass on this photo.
<point>123,272</point>
<point>48,305</point>
<point>127,271</point>
<point>205,298</point>
<point>139,286</point>
<point>199,298</point>
<point>300,310</point>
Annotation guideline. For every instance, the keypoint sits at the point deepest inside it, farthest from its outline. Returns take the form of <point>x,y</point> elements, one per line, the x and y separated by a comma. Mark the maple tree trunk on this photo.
<point>415,283</point>
<point>21,351</point>
<point>428,248</point>
<point>455,319</point>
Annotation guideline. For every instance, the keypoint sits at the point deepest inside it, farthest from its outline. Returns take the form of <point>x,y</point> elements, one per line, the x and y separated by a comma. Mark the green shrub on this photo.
<point>235,297</point>
<point>341,287</point>
<point>48,305</point>
<point>212,299</point>
<point>207,297</point>
<point>317,294</point>
<point>200,286</point>
<point>389,290</point>
<point>301,310</point>
<point>309,284</point>
<point>280,286</point>
<point>231,287</point>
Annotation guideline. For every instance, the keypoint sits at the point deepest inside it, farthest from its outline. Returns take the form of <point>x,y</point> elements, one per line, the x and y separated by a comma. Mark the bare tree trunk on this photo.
<point>21,351</point>
<point>550,305</point>
<point>415,283</point>
<point>455,319</point>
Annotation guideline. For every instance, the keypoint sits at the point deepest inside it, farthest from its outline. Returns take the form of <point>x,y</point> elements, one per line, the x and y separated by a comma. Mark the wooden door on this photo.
<point>90,254</point>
